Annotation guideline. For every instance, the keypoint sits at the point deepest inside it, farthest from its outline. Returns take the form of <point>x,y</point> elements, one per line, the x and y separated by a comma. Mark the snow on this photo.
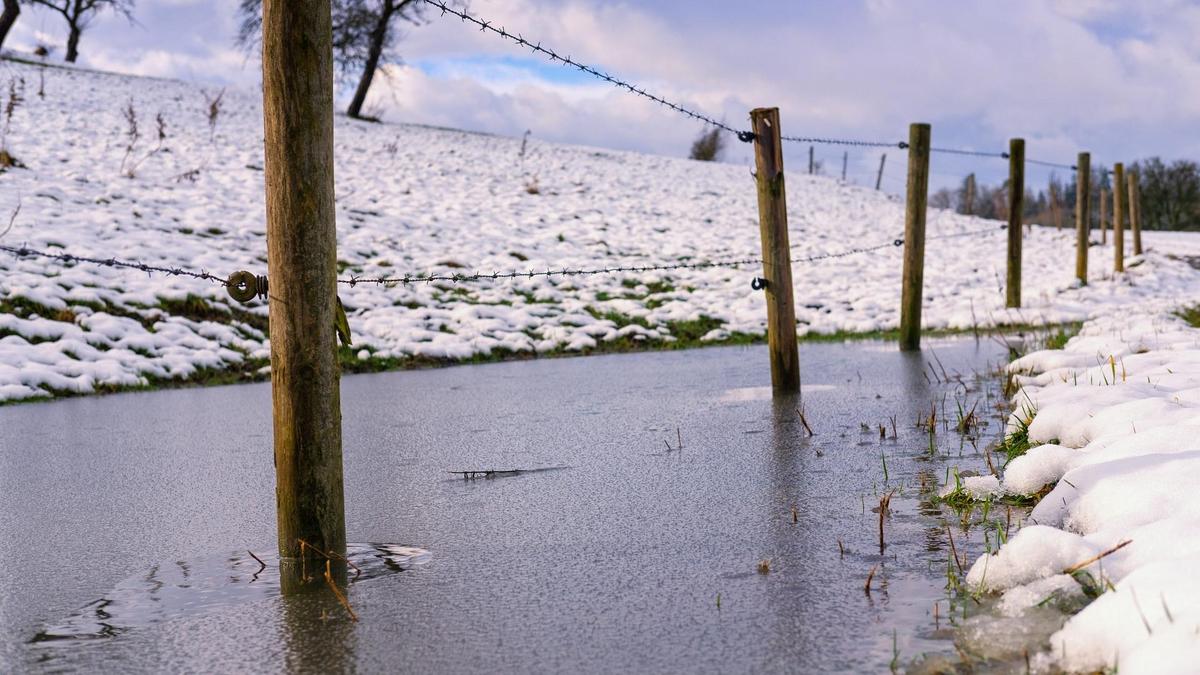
<point>414,199</point>
<point>1117,416</point>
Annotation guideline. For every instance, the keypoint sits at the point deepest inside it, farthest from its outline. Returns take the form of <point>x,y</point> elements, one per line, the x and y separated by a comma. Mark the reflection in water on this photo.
<point>194,588</point>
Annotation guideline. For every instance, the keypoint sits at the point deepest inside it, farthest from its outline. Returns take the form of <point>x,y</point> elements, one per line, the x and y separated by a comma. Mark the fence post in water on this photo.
<point>297,59</point>
<point>1083,214</point>
<point>1135,210</point>
<point>1016,211</point>
<point>776,251</point>
<point>1118,217</point>
<point>1103,216</point>
<point>914,237</point>
<point>879,177</point>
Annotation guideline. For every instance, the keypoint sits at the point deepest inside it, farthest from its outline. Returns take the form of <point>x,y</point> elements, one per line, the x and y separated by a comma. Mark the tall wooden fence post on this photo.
<point>1016,211</point>
<point>297,60</point>
<point>1103,216</point>
<point>845,161</point>
<point>879,176</point>
<point>914,237</point>
<point>1118,224</point>
<point>1135,210</point>
<point>1083,214</point>
<point>812,166</point>
<point>776,251</point>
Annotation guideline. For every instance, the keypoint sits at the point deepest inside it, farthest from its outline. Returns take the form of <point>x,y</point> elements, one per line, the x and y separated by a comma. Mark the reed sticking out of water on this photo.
<point>870,576</point>
<point>764,566</point>
<point>800,412</point>
<point>337,592</point>
<point>262,565</point>
<point>841,550</point>
<point>328,555</point>
<point>954,551</point>
<point>884,501</point>
<point>678,441</point>
<point>795,515</point>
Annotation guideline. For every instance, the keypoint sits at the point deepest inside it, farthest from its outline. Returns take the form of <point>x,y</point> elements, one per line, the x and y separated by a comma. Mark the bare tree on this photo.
<point>8,18</point>
<point>708,146</point>
<point>79,14</point>
<point>364,37</point>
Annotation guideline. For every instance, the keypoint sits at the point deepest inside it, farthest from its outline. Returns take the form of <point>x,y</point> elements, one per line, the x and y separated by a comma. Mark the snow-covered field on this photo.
<point>419,200</point>
<point>1114,419</point>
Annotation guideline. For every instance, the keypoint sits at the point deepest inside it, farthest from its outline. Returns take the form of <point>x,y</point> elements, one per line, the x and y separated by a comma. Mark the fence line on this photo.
<point>70,258</point>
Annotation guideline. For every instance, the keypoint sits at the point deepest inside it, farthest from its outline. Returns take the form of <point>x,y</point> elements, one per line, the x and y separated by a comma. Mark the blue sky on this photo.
<point>1118,78</point>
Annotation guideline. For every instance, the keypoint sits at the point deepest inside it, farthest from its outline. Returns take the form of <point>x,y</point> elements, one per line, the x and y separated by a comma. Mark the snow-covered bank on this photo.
<point>419,200</point>
<point>1114,424</point>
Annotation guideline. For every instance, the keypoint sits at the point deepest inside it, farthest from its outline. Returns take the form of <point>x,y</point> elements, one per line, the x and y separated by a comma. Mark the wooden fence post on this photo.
<point>1118,217</point>
<point>1103,216</point>
<point>879,177</point>
<point>1016,211</point>
<point>776,251</point>
<point>914,237</point>
<point>1083,214</point>
<point>1135,210</point>
<point>845,161</point>
<point>812,167</point>
<point>969,196</point>
<point>297,60</point>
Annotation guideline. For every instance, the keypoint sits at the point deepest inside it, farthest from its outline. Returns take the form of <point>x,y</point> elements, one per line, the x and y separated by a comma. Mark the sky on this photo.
<point>1118,78</point>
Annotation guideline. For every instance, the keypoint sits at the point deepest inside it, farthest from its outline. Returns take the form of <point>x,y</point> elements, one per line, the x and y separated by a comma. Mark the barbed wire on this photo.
<point>972,153</point>
<point>1053,165</point>
<point>25,252</point>
<point>745,136</point>
<point>458,277</point>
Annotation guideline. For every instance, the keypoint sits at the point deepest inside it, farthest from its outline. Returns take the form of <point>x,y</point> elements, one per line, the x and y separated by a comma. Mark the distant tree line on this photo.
<point>1170,196</point>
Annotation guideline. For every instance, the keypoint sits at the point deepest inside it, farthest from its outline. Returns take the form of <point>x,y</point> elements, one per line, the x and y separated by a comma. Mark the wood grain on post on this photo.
<point>1016,211</point>
<point>1103,216</point>
<point>879,176</point>
<point>297,59</point>
<point>1118,217</point>
<point>776,251</point>
<point>1083,214</point>
<point>914,237</point>
<point>1135,210</point>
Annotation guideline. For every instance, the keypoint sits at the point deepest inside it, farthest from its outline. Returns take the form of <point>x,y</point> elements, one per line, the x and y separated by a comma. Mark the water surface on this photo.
<point>612,561</point>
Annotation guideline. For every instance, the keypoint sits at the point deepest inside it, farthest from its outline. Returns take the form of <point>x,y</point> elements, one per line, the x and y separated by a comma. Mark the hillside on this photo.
<point>418,200</point>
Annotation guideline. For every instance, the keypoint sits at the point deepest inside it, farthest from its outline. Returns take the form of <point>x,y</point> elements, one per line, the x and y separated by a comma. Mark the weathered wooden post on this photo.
<point>297,59</point>
<point>776,251</point>
<point>914,237</point>
<point>1118,217</point>
<point>812,167</point>
<point>879,176</point>
<point>845,161</point>
<point>1083,214</point>
<point>1016,211</point>
<point>1103,216</point>
<point>1135,210</point>
<point>969,196</point>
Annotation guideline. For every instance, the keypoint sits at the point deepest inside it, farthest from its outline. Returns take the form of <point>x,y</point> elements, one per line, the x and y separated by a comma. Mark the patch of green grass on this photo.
<point>1190,315</point>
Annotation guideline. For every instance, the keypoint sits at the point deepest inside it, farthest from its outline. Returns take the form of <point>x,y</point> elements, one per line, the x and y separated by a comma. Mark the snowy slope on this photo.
<point>419,200</point>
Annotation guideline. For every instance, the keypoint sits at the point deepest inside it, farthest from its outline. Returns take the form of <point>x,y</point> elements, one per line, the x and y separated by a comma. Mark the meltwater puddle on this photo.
<point>185,589</point>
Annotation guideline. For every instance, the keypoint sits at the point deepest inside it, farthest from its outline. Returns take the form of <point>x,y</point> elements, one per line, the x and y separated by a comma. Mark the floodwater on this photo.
<point>125,520</point>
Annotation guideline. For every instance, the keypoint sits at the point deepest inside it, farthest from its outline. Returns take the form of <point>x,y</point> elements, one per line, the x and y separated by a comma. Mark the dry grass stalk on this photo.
<point>1078,566</point>
<point>870,576</point>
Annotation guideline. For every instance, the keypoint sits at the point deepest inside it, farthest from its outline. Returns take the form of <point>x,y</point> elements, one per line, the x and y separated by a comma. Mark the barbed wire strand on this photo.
<point>68,258</point>
<point>536,47</point>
